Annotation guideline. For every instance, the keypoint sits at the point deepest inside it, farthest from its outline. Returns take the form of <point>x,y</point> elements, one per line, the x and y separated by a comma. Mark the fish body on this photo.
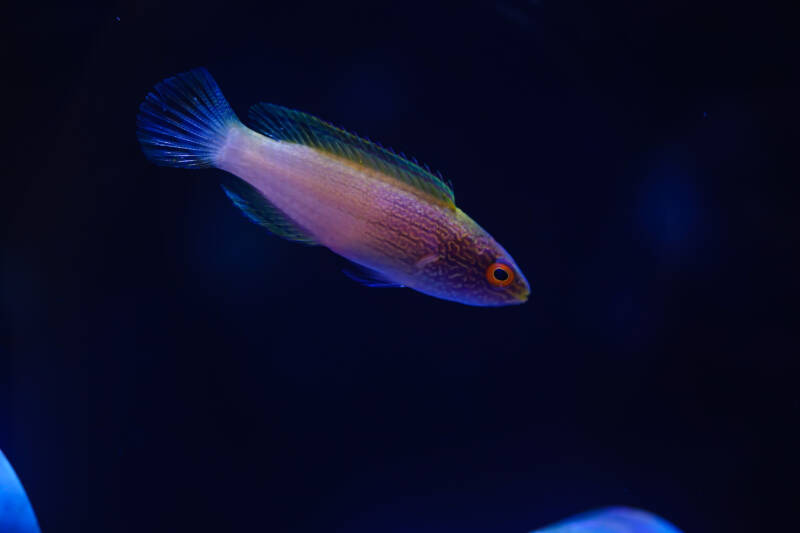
<point>311,182</point>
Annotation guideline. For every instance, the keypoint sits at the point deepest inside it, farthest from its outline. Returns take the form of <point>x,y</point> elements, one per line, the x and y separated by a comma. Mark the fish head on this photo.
<point>472,268</point>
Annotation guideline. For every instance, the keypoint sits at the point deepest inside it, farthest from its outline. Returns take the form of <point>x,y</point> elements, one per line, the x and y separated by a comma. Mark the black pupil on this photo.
<point>500,274</point>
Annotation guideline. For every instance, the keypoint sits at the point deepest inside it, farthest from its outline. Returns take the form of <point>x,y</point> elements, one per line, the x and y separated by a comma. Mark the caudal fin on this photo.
<point>184,121</point>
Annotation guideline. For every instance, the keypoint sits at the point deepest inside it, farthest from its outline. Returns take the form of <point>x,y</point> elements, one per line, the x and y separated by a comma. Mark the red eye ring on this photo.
<point>499,275</point>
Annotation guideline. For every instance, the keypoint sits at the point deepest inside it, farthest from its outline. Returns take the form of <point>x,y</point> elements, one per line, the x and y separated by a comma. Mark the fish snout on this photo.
<point>522,296</point>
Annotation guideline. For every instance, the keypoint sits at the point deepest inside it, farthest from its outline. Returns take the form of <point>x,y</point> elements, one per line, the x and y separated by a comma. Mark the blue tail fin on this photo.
<point>184,121</point>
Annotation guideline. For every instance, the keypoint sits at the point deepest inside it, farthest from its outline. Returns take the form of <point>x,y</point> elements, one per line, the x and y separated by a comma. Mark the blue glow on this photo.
<point>669,213</point>
<point>16,513</point>
<point>612,520</point>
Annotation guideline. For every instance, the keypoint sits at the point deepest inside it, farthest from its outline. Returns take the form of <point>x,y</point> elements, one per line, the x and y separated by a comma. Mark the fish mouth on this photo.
<point>521,297</point>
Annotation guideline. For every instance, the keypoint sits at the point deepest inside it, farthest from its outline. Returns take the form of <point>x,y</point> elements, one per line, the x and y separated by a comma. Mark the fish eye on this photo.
<point>499,275</point>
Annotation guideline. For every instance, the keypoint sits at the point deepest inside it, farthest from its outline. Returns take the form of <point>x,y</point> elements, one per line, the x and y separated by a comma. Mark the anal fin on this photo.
<point>368,277</point>
<point>262,212</point>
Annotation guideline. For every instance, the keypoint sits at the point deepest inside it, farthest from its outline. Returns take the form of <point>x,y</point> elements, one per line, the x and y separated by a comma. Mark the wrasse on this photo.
<point>308,181</point>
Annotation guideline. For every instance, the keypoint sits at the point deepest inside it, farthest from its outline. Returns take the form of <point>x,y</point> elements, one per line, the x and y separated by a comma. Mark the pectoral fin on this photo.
<point>427,260</point>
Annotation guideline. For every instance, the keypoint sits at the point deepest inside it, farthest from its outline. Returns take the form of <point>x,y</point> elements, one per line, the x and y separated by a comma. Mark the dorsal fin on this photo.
<point>259,210</point>
<point>288,125</point>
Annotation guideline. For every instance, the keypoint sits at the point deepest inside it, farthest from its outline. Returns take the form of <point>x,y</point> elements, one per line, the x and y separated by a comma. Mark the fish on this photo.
<point>612,520</point>
<point>310,182</point>
<point>16,513</point>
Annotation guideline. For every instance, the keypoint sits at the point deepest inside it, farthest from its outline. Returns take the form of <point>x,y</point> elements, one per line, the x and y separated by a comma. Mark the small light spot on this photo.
<point>118,19</point>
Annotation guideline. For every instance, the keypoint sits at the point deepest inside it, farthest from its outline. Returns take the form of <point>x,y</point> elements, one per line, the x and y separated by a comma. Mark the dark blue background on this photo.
<point>168,366</point>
